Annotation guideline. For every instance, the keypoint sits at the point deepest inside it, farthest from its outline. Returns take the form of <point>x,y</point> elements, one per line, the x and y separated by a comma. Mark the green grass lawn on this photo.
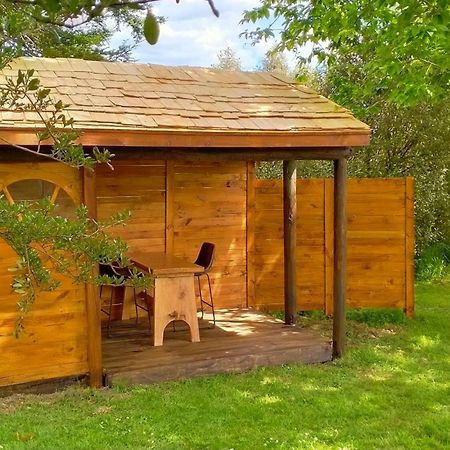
<point>391,391</point>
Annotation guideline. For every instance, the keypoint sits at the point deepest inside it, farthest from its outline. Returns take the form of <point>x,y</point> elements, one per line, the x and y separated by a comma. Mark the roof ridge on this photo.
<point>279,77</point>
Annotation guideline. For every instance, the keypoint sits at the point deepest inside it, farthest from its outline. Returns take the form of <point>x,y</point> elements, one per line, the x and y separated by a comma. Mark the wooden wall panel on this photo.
<point>380,226</point>
<point>54,344</point>
<point>209,204</point>
<point>140,187</point>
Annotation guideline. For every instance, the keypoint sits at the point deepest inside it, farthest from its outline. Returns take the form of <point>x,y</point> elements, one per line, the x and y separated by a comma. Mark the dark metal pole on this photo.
<point>290,240</point>
<point>340,255</point>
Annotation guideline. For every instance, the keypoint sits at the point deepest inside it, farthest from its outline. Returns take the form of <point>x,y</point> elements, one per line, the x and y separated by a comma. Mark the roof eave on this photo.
<point>202,138</point>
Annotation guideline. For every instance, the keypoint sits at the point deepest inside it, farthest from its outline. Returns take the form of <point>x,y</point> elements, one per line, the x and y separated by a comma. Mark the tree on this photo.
<point>276,61</point>
<point>228,60</point>
<point>388,63</point>
<point>22,34</point>
<point>400,49</point>
<point>76,29</point>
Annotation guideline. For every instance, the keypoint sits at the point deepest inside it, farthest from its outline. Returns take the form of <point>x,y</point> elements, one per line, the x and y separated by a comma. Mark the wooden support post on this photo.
<point>340,255</point>
<point>409,246</point>
<point>250,233</point>
<point>290,240</point>
<point>92,297</point>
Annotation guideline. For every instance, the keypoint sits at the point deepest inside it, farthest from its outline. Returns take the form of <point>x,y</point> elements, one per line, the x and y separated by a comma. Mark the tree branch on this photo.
<point>29,150</point>
<point>96,11</point>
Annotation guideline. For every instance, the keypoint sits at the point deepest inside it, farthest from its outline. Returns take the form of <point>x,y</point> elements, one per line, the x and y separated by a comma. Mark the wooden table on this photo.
<point>174,291</point>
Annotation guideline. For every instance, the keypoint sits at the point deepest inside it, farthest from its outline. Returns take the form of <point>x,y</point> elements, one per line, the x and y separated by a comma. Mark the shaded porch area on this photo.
<point>243,339</point>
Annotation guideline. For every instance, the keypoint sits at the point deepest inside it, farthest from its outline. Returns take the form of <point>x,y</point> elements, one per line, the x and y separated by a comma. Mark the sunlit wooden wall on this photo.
<point>54,343</point>
<point>178,205</point>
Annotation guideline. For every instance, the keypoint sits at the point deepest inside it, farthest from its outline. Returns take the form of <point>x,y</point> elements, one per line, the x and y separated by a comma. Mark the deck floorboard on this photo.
<point>242,339</point>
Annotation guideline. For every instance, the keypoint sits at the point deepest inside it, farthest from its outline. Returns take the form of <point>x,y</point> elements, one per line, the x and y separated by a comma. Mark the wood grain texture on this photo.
<point>250,233</point>
<point>290,240</point>
<point>210,202</point>
<point>55,341</point>
<point>329,245</point>
<point>143,193</point>
<point>242,339</point>
<point>169,205</point>
<point>269,244</point>
<point>174,301</point>
<point>162,264</point>
<point>93,307</point>
<point>376,258</point>
<point>340,257</point>
<point>409,246</point>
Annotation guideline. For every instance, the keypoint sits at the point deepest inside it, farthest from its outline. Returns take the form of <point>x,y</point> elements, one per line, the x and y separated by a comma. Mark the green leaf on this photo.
<point>33,84</point>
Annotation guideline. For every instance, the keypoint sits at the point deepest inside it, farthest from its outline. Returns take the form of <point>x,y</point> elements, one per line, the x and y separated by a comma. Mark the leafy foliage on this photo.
<point>406,142</point>
<point>434,262</point>
<point>26,31</point>
<point>414,142</point>
<point>387,62</point>
<point>400,49</point>
<point>46,243</point>
<point>76,29</point>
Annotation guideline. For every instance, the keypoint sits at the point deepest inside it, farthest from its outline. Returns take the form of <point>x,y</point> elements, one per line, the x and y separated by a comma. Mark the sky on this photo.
<point>193,36</point>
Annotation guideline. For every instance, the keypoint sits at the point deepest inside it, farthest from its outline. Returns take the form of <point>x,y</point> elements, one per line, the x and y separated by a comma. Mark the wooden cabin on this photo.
<point>186,141</point>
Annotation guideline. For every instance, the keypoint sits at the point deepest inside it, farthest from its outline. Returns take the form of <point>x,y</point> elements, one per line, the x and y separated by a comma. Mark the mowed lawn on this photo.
<point>391,391</point>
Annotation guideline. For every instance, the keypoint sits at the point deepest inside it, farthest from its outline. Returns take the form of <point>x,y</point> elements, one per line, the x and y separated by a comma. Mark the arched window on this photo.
<point>33,190</point>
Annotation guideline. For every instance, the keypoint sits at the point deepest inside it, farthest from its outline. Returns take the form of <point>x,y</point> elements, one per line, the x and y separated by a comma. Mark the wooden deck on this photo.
<point>242,339</point>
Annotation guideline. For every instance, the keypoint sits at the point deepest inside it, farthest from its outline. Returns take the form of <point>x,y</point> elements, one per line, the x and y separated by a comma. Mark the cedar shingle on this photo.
<point>123,96</point>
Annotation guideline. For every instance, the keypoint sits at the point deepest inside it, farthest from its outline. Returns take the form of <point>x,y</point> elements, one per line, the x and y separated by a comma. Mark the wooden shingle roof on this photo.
<point>132,99</point>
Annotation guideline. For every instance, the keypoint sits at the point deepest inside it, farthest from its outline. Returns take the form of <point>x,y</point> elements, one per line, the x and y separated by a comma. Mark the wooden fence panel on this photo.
<point>380,244</point>
<point>376,268</point>
<point>269,291</point>
<point>178,205</point>
<point>54,344</point>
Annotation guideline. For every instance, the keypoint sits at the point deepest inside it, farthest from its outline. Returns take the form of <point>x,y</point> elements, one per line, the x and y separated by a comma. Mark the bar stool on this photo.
<point>205,259</point>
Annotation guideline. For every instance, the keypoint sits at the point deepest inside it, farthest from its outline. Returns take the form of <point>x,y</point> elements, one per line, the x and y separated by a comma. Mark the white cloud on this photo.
<point>193,36</point>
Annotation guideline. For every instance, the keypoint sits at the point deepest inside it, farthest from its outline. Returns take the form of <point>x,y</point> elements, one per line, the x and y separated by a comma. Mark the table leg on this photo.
<point>118,302</point>
<point>174,300</point>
